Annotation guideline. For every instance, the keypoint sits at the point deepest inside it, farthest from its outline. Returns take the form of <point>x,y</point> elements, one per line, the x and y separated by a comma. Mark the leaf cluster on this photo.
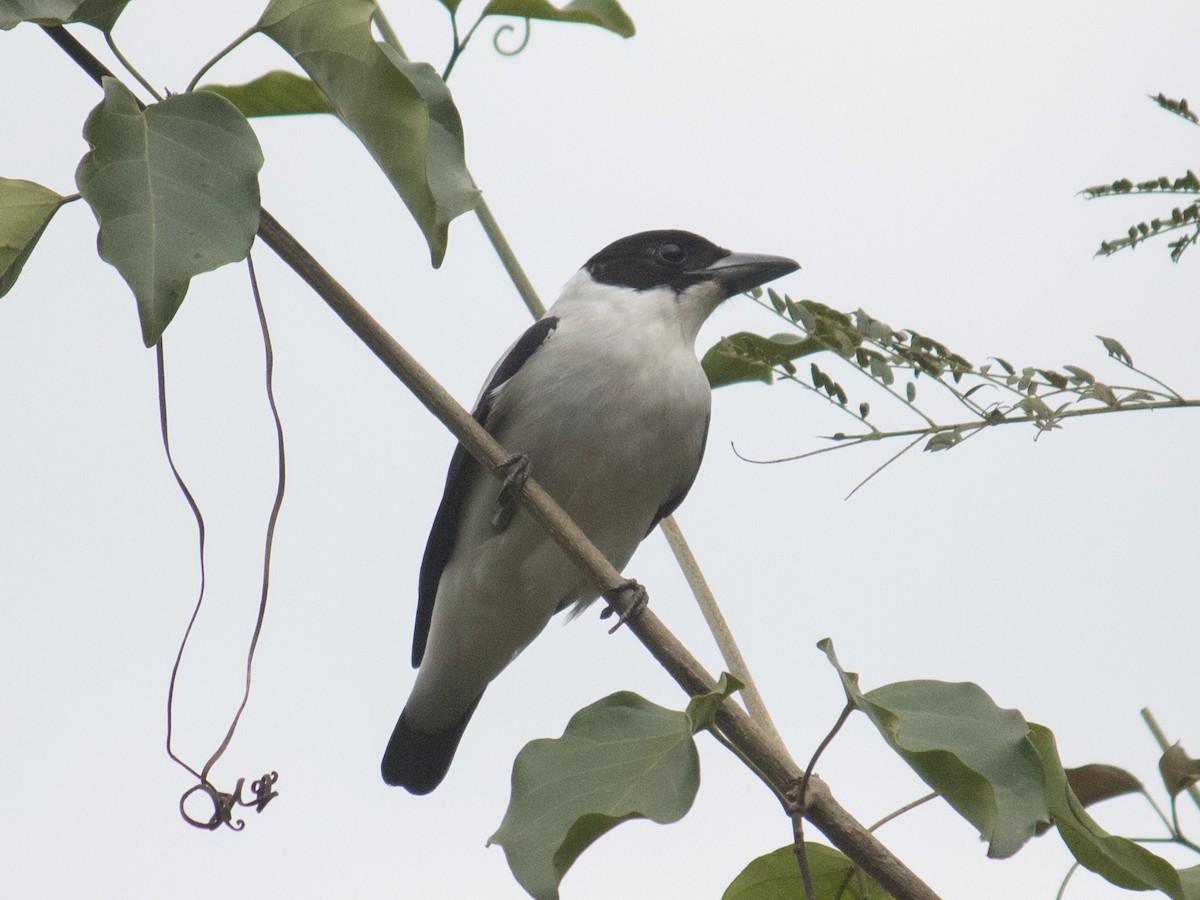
<point>893,363</point>
<point>1179,218</point>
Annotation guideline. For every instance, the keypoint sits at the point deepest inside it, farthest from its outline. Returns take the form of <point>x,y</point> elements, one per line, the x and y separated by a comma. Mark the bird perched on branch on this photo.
<point>602,401</point>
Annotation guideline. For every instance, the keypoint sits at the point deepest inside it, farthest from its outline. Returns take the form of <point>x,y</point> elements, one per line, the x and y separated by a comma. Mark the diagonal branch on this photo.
<point>820,808</point>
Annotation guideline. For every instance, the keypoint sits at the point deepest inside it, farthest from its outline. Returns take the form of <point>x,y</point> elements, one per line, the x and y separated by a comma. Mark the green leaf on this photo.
<point>606,14</point>
<point>1080,376</point>
<point>1115,349</point>
<point>25,210</point>
<point>277,93</point>
<point>1116,859</point>
<point>751,357</point>
<point>100,13</point>
<point>944,440</point>
<point>702,710</point>
<point>401,111</point>
<point>1179,771</point>
<point>776,876</point>
<point>620,758</point>
<point>175,190</point>
<point>978,757</point>
<point>1098,781</point>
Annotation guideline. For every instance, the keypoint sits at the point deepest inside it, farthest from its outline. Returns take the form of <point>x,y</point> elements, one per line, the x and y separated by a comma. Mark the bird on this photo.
<point>604,403</point>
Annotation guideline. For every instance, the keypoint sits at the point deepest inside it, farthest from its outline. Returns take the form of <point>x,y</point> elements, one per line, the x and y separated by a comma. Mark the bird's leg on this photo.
<point>517,469</point>
<point>641,600</point>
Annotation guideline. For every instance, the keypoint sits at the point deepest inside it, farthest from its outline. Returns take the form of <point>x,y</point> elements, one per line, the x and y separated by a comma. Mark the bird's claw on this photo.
<point>641,599</point>
<point>516,468</point>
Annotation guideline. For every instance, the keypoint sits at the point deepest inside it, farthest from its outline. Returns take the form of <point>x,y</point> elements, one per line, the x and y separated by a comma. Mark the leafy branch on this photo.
<point>895,362</point>
<point>1180,217</point>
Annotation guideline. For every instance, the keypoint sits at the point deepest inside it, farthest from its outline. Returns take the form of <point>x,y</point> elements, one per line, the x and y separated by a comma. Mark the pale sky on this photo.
<point>920,160</point>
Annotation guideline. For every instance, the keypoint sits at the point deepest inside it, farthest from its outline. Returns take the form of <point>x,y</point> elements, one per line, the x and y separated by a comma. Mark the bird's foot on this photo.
<point>516,468</point>
<point>641,600</point>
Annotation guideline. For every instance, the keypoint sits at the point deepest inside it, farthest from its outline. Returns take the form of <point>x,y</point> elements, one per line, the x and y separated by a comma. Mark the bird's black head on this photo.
<point>678,260</point>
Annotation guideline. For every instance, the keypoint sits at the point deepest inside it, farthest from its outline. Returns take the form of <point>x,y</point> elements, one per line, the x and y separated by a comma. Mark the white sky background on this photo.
<point>920,160</point>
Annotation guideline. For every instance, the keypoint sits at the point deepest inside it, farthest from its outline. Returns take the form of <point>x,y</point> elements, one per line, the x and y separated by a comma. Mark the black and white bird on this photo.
<point>606,403</point>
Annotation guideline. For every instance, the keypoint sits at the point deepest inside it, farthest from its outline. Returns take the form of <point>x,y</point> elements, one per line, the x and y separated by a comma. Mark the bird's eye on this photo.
<point>671,254</point>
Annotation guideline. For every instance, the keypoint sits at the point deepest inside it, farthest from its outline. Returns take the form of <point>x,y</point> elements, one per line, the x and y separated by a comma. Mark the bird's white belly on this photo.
<point>611,459</point>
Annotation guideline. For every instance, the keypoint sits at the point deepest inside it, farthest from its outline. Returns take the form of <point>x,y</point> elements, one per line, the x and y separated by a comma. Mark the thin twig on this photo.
<point>902,810</point>
<point>732,655</point>
<point>810,892</point>
<point>1165,745</point>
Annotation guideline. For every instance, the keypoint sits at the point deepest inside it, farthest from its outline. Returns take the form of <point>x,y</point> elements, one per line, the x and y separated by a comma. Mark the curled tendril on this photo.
<point>506,28</point>
<point>223,803</point>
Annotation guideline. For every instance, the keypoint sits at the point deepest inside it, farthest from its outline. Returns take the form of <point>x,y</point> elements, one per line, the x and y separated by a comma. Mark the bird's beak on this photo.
<point>739,272</point>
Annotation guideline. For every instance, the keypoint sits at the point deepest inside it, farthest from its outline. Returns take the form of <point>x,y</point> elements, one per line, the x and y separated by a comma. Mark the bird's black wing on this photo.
<point>673,504</point>
<point>462,473</point>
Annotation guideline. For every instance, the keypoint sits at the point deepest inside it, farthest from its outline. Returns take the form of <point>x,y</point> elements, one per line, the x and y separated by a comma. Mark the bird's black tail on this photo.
<point>418,760</point>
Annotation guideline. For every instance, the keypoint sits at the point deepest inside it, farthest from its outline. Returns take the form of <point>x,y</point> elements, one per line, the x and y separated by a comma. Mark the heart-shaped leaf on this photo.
<point>978,757</point>
<point>620,758</point>
<point>25,210</point>
<point>175,190</point>
<point>401,111</point>
<point>776,876</point>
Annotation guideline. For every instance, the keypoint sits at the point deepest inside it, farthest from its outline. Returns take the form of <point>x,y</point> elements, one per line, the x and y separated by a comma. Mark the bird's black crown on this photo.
<point>654,259</point>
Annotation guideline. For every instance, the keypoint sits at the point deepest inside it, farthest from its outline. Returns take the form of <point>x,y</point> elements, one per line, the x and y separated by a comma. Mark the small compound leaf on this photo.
<point>278,93</point>
<point>1116,859</point>
<point>1080,376</point>
<point>1179,771</point>
<point>401,111</point>
<point>1138,397</point>
<point>751,357</point>
<point>702,710</point>
<point>776,876</point>
<point>1102,392</point>
<point>25,210</point>
<point>943,440</point>
<point>100,13</point>
<point>620,758</point>
<point>1115,350</point>
<point>607,14</point>
<point>175,190</point>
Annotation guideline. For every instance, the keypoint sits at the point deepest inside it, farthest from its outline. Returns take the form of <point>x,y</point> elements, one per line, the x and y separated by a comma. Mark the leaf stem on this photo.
<point>732,655</point>
<point>459,46</point>
<point>896,813</point>
<point>854,439</point>
<point>112,45</point>
<point>233,45</point>
<point>509,260</point>
<point>387,32</point>
<point>1161,384</point>
<point>1161,738</point>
